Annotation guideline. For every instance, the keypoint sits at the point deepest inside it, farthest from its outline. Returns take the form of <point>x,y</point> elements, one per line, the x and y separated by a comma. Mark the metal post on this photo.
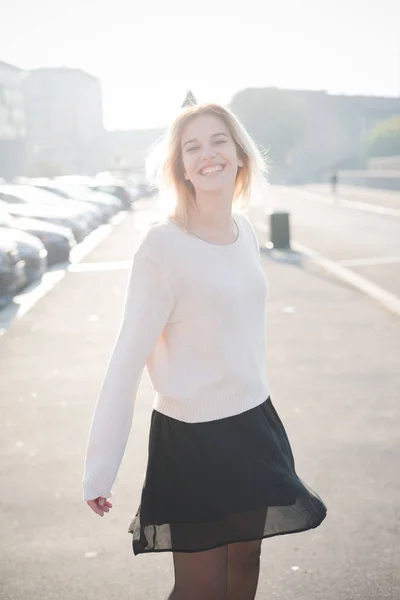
<point>280,230</point>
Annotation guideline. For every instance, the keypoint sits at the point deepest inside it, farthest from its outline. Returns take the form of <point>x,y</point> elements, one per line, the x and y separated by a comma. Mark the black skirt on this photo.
<point>218,482</point>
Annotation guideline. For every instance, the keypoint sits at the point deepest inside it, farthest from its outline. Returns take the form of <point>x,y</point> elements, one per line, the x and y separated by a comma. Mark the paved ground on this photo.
<point>367,242</point>
<point>373,196</point>
<point>334,371</point>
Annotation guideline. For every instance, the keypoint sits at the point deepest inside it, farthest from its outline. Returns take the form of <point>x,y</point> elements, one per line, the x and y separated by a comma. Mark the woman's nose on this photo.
<point>208,152</point>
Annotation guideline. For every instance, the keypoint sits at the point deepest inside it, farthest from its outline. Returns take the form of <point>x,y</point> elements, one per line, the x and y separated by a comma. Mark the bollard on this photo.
<point>280,230</point>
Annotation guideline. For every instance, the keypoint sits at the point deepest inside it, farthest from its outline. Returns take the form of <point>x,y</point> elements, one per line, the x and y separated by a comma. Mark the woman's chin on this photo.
<point>213,186</point>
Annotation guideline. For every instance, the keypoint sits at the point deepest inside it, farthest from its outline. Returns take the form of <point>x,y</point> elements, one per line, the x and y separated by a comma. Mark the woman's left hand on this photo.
<point>100,505</point>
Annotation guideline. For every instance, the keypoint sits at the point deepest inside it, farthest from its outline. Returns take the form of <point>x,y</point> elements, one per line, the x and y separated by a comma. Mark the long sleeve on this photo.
<point>148,304</point>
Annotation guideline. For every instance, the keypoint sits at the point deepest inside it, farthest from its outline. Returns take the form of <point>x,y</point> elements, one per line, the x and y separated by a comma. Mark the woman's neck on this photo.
<point>217,226</point>
<point>214,211</point>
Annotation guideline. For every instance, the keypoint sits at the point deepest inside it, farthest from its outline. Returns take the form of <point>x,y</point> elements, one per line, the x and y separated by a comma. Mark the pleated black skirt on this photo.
<point>224,481</point>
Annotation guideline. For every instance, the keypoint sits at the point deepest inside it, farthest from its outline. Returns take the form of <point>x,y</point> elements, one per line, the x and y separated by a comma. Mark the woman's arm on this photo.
<point>149,302</point>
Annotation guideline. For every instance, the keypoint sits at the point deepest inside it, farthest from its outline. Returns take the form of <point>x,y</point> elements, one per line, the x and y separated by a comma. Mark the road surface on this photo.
<point>334,371</point>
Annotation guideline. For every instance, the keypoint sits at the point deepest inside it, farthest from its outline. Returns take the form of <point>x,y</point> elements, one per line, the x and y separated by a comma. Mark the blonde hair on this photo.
<point>164,164</point>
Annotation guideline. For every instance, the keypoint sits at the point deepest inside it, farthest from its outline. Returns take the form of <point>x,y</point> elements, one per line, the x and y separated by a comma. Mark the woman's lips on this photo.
<point>210,170</point>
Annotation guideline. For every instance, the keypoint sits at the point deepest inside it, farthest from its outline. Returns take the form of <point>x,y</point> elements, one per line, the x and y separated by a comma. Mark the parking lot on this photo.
<point>333,364</point>
<point>43,223</point>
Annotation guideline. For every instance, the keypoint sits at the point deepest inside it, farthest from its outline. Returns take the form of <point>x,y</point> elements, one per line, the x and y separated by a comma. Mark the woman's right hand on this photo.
<point>100,505</point>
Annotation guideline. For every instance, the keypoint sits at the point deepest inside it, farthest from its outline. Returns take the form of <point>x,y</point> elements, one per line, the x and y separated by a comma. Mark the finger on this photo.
<point>100,510</point>
<point>95,508</point>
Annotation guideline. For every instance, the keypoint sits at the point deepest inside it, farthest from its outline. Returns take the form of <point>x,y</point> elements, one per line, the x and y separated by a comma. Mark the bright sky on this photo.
<point>147,53</point>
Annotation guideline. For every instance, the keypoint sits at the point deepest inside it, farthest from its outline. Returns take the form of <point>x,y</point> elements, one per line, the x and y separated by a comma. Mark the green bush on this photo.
<point>384,139</point>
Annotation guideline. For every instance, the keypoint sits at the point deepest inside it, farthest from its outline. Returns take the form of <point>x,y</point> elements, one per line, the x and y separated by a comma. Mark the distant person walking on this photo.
<point>334,182</point>
<point>220,473</point>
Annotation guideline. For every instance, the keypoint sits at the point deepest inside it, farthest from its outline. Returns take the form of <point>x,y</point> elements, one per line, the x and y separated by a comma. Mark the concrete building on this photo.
<point>337,126</point>
<point>65,130</point>
<point>334,129</point>
<point>12,122</point>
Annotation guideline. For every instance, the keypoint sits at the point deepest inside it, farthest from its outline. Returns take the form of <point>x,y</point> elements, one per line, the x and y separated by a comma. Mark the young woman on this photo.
<point>220,474</point>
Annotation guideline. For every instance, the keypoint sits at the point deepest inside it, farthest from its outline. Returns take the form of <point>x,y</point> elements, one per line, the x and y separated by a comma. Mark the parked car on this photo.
<point>146,188</point>
<point>29,194</point>
<point>80,187</point>
<point>57,240</point>
<point>115,189</point>
<point>106,209</point>
<point>119,187</point>
<point>30,249</point>
<point>12,270</point>
<point>59,216</point>
<point>92,211</point>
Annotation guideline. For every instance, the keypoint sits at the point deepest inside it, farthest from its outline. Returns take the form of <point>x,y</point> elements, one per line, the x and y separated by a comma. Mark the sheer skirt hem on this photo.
<point>137,551</point>
<point>241,527</point>
<point>221,482</point>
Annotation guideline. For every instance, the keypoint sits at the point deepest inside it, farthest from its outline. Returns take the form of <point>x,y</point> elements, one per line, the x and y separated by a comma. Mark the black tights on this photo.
<point>227,573</point>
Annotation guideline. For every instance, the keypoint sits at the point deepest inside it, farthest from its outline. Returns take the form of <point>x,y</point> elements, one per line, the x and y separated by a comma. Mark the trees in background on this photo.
<point>384,139</point>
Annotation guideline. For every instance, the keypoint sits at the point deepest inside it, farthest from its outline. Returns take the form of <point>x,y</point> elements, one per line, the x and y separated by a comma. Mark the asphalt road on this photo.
<point>334,371</point>
<point>343,228</point>
<point>371,196</point>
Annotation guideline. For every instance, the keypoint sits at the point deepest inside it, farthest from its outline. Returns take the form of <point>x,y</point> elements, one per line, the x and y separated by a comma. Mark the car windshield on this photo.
<point>30,194</point>
<point>72,187</point>
<point>5,218</point>
<point>75,190</point>
<point>54,190</point>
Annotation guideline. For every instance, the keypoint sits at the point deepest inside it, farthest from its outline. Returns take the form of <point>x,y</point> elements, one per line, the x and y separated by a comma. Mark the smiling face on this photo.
<point>209,155</point>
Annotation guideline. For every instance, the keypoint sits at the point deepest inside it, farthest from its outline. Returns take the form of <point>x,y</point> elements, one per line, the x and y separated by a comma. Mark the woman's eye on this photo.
<point>192,148</point>
<point>220,141</point>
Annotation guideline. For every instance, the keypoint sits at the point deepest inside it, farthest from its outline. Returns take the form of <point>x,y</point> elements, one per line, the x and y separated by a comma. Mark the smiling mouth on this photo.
<point>210,170</point>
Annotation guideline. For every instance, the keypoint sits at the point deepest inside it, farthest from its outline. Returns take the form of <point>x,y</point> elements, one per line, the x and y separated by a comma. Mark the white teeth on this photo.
<point>211,169</point>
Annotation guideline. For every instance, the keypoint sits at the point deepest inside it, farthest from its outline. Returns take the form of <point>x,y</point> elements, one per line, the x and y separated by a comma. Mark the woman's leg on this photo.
<point>243,570</point>
<point>200,575</point>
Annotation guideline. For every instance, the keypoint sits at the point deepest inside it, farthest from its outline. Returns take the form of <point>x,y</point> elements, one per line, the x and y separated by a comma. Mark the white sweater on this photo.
<point>195,315</point>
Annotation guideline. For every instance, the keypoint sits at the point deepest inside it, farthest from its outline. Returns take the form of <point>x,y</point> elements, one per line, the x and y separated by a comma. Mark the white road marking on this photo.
<point>377,260</point>
<point>25,301</point>
<point>89,243</point>
<point>381,210</point>
<point>100,266</point>
<point>354,204</point>
<point>34,292</point>
<point>385,298</point>
<point>340,269</point>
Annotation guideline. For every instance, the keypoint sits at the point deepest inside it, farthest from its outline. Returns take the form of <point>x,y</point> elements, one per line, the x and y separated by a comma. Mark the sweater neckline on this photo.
<point>218,247</point>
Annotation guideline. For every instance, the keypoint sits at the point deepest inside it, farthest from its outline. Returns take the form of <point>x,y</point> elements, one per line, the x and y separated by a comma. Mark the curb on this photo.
<point>29,297</point>
<point>388,300</point>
